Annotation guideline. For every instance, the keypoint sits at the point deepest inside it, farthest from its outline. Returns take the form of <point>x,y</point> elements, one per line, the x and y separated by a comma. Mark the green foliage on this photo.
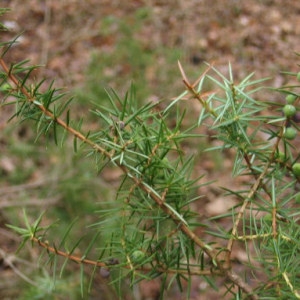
<point>148,227</point>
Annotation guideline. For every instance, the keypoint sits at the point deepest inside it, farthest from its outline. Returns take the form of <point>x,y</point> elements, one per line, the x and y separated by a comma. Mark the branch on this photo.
<point>80,260</point>
<point>172,213</point>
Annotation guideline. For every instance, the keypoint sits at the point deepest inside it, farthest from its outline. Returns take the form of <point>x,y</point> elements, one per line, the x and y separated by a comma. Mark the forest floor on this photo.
<point>68,37</point>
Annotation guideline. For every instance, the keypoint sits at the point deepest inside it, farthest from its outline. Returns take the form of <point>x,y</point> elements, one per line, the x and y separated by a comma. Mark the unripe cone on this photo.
<point>296,169</point>
<point>290,99</point>
<point>137,256</point>
<point>289,110</point>
<point>290,133</point>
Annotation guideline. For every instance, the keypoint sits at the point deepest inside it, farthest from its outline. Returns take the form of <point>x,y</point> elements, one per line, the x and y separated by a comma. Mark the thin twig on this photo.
<point>8,260</point>
<point>31,202</point>
<point>22,187</point>
<point>251,194</point>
